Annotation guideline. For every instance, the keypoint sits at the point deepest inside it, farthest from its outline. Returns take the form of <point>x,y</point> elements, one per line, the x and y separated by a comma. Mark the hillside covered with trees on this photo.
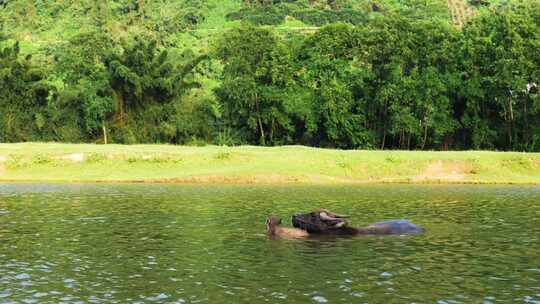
<point>370,74</point>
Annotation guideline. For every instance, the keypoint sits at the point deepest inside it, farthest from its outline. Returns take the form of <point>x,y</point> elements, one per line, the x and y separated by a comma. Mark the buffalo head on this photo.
<point>320,221</point>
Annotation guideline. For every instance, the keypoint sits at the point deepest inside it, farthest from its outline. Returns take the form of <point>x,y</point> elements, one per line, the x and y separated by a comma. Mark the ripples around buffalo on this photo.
<point>206,244</point>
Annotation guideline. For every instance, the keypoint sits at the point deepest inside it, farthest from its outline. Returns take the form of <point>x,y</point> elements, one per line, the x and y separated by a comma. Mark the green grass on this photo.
<point>248,164</point>
<point>216,18</point>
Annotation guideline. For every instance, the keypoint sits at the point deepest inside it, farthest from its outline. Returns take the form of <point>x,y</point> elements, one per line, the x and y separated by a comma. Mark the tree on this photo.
<point>501,56</point>
<point>83,85</point>
<point>254,88</point>
<point>142,74</point>
<point>412,71</point>
<point>332,74</point>
<point>24,97</point>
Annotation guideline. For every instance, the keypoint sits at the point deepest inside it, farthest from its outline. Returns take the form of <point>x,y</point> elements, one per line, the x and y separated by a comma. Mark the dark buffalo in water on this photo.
<point>326,222</point>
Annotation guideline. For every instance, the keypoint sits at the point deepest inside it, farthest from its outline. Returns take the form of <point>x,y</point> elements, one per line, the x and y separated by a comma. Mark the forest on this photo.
<point>347,74</point>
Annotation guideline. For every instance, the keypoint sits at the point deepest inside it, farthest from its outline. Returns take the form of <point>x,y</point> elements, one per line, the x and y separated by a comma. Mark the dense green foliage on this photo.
<point>321,12</point>
<point>387,75</point>
<point>23,97</point>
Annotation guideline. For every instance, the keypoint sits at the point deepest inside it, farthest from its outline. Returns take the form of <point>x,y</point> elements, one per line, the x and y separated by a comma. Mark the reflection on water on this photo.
<point>193,244</point>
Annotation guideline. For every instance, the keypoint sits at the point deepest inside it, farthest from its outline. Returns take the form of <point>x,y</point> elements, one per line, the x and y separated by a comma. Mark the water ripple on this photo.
<point>190,244</point>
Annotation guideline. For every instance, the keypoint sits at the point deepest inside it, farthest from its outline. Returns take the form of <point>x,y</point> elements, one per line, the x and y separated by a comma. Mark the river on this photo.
<point>122,243</point>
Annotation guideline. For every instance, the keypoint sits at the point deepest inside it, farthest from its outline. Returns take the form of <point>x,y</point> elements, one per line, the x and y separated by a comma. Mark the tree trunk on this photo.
<point>272,131</point>
<point>104,132</point>
<point>384,133</point>
<point>401,139</point>
<point>383,139</point>
<point>382,117</point>
<point>425,138</point>
<point>510,123</point>
<point>119,115</point>
<point>262,139</point>
<point>446,143</point>
<point>526,136</point>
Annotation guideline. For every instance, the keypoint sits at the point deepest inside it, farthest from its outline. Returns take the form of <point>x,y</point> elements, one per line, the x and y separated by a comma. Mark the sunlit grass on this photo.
<point>249,164</point>
<point>216,18</point>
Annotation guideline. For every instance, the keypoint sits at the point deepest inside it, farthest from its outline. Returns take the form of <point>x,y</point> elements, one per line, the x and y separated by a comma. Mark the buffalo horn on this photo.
<point>325,217</point>
<point>332,214</point>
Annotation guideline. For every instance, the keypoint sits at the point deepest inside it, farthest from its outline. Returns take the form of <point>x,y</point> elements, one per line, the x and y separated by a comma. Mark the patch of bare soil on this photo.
<point>460,11</point>
<point>74,157</point>
<point>453,171</point>
<point>535,162</point>
<point>216,179</point>
<point>259,179</point>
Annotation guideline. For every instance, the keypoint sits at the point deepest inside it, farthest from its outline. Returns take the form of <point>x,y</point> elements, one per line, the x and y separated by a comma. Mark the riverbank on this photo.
<point>52,162</point>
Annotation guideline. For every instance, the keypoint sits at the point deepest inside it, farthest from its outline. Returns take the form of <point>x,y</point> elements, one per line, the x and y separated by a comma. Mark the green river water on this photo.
<point>207,244</point>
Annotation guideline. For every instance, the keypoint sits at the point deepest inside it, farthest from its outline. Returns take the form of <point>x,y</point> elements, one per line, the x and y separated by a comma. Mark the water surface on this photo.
<point>206,244</point>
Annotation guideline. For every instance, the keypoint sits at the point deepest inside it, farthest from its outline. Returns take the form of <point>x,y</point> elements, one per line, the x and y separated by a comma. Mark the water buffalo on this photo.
<point>326,222</point>
<point>320,221</point>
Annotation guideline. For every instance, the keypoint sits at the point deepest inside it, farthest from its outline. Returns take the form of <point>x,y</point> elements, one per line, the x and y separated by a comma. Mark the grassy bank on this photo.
<point>166,163</point>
